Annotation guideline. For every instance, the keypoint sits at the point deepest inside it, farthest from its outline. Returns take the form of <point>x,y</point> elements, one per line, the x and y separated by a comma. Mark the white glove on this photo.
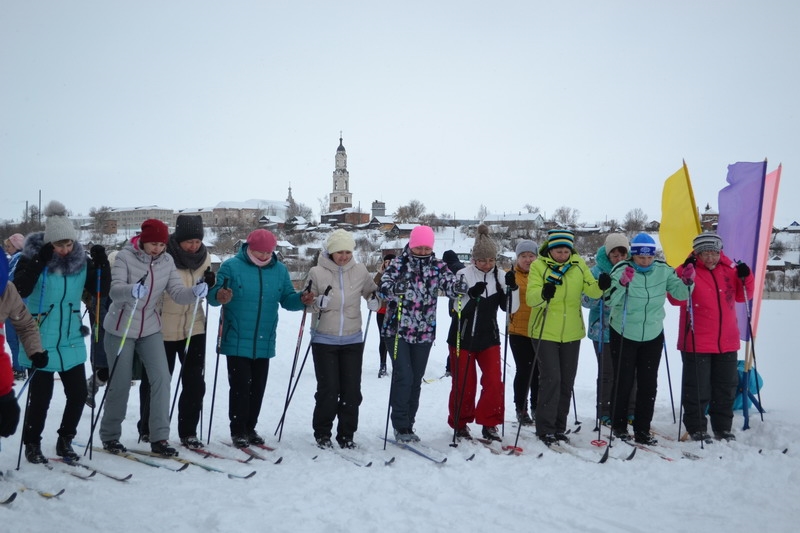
<point>373,304</point>
<point>200,289</point>
<point>323,301</point>
<point>139,291</point>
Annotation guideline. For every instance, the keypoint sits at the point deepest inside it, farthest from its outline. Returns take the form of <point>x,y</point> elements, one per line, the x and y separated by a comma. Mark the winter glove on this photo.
<point>742,270</point>
<point>604,281</point>
<point>139,290</point>
<point>45,254</point>
<point>477,290</point>
<point>460,287</point>
<point>99,257</point>
<point>39,359</point>
<point>9,414</point>
<point>511,280</point>
<point>687,275</point>
<point>373,304</point>
<point>691,260</point>
<point>209,277</point>
<point>200,289</point>
<point>548,291</point>
<point>627,276</point>
<point>323,300</point>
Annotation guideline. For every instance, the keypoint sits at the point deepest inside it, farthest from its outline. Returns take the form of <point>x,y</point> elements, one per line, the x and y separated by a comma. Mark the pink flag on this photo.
<point>772,182</point>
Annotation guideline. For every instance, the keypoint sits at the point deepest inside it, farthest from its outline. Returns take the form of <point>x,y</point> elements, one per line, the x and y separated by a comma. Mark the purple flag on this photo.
<point>740,220</point>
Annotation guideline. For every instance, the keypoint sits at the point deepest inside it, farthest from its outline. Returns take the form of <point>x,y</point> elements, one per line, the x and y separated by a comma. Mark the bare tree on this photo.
<point>409,213</point>
<point>634,221</point>
<point>483,212</point>
<point>566,216</point>
<point>532,209</point>
<point>101,216</point>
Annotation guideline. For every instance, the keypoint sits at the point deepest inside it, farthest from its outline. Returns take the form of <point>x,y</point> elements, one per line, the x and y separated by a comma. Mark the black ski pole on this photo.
<point>533,366</point>
<point>185,358</point>
<point>618,365</point>
<point>394,358</point>
<point>216,366</point>
<point>460,393</point>
<point>294,361</point>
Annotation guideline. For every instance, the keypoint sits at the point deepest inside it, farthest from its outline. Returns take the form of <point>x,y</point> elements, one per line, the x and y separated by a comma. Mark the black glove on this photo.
<point>604,281</point>
<point>9,414</point>
<point>209,277</point>
<point>548,291</point>
<point>477,290</point>
<point>511,280</point>
<point>99,257</point>
<point>742,270</point>
<point>400,287</point>
<point>690,260</point>
<point>39,359</point>
<point>45,254</point>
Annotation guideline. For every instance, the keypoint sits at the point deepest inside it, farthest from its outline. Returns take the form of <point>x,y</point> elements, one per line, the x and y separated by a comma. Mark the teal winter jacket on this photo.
<point>250,319</point>
<point>640,316</point>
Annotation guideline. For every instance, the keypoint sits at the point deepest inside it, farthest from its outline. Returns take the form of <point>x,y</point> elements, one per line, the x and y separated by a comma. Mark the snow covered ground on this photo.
<point>734,487</point>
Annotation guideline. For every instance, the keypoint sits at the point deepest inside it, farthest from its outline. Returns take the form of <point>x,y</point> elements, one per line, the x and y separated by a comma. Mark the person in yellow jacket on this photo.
<point>526,379</point>
<point>557,280</point>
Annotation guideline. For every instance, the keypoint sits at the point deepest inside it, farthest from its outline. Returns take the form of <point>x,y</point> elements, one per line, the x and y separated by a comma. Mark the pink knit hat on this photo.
<point>262,240</point>
<point>421,236</point>
<point>17,240</point>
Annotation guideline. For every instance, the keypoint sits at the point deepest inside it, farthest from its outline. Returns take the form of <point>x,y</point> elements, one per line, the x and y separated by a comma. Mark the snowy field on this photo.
<point>733,486</point>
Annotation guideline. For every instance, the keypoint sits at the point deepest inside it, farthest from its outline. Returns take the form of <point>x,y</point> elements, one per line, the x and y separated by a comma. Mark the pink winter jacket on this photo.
<point>714,311</point>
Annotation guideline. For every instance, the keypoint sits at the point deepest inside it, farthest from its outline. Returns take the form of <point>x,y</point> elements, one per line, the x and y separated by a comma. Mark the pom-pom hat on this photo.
<point>340,241</point>
<point>421,236</point>
<point>707,242</point>
<point>262,240</point>
<point>153,230</point>
<point>484,247</point>
<point>58,227</point>
<point>643,244</point>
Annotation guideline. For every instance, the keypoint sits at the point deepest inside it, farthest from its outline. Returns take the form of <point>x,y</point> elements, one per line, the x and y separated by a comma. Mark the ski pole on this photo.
<point>113,368</point>
<point>460,393</point>
<point>618,365</point>
<point>746,391</point>
<point>185,357</point>
<point>669,380</point>
<point>505,355</point>
<point>297,380</point>
<point>32,370</point>
<point>203,374</point>
<point>294,361</point>
<point>216,367</point>
<point>533,366</point>
<point>394,358</point>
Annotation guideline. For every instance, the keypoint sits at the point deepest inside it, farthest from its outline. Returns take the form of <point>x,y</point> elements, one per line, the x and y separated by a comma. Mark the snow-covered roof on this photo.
<point>252,204</point>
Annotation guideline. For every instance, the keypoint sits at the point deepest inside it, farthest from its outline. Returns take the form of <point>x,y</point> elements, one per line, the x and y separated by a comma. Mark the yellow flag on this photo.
<point>680,222</point>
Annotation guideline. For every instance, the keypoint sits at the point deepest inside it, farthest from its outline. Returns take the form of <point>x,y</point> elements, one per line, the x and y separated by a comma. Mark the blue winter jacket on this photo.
<point>55,302</point>
<point>250,319</point>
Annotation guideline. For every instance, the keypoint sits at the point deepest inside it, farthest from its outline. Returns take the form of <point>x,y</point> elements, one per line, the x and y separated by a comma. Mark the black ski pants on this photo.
<point>41,392</point>
<point>338,372</point>
<point>524,356</point>
<point>709,384</point>
<point>638,361</point>
<point>247,378</point>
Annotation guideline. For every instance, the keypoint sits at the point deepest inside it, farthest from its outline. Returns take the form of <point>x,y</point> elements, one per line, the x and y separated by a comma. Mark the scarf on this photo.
<point>556,273</point>
<point>258,262</point>
<point>186,260</point>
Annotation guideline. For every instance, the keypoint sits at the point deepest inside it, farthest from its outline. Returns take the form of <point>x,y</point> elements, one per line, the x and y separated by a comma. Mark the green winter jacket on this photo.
<point>251,317</point>
<point>640,316</point>
<point>564,321</point>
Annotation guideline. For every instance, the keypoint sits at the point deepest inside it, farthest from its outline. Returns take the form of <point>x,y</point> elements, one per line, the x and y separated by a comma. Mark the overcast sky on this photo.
<point>457,104</point>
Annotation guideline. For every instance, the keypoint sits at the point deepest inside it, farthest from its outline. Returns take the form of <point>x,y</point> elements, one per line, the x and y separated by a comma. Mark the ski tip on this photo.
<point>633,452</point>
<point>604,458</point>
<point>578,429</point>
<point>471,457</point>
<point>389,462</point>
<point>279,461</point>
<point>369,464</point>
<point>183,467</point>
<point>541,454</point>
<point>11,498</point>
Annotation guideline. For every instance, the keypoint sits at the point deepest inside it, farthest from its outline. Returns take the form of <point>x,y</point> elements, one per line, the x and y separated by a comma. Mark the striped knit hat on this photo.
<point>707,242</point>
<point>560,237</point>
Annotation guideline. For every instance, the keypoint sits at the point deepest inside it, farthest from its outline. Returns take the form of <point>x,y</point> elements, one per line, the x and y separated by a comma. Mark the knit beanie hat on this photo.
<point>262,240</point>
<point>188,227</point>
<point>616,240</point>
<point>340,241</point>
<point>643,244</point>
<point>17,240</point>
<point>421,236</point>
<point>526,245</point>
<point>707,242</point>
<point>153,230</point>
<point>560,237</point>
<point>58,227</point>
<point>484,247</point>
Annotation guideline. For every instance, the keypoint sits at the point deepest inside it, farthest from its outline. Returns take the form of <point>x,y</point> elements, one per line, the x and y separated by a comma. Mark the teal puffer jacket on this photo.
<point>250,319</point>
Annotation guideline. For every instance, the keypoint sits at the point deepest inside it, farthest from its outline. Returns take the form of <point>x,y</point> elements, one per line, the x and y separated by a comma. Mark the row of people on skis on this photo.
<point>158,280</point>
